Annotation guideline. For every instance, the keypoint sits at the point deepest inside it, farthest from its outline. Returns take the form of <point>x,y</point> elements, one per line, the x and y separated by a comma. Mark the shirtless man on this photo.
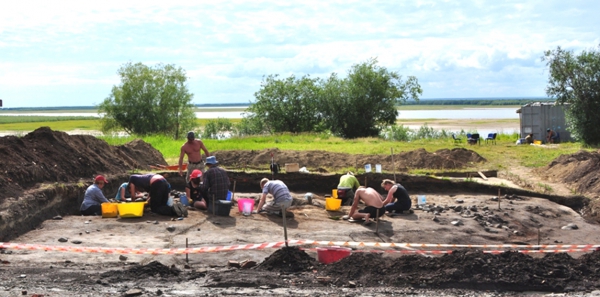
<point>373,202</point>
<point>192,149</point>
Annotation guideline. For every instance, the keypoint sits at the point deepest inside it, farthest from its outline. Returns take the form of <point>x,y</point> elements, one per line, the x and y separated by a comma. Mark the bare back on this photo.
<point>192,150</point>
<point>370,197</point>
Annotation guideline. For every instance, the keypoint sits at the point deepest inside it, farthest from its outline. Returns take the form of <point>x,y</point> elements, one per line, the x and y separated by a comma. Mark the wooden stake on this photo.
<point>377,222</point>
<point>187,260</point>
<point>393,164</point>
<point>284,226</point>
<point>365,179</point>
<point>233,194</point>
<point>214,208</point>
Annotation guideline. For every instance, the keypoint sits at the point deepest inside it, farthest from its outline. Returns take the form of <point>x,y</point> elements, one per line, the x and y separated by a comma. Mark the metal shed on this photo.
<point>536,117</point>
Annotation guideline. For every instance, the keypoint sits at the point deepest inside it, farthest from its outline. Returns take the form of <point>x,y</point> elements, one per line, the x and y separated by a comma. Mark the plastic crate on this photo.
<point>131,209</point>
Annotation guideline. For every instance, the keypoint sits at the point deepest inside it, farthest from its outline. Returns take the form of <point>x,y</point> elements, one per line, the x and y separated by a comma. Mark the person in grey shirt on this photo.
<point>93,199</point>
<point>281,197</point>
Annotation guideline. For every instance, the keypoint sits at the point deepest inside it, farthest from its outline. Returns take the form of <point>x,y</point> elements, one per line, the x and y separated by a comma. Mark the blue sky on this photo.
<point>66,53</point>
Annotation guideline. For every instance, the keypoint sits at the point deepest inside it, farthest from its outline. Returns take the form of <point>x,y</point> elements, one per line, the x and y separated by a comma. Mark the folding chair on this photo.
<point>456,139</point>
<point>474,138</point>
<point>491,137</point>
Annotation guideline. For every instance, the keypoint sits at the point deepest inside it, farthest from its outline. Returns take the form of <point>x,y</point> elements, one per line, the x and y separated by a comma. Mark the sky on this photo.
<point>67,53</point>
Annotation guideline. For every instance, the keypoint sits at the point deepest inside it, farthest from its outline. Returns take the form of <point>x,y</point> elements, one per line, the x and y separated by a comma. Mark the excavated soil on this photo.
<point>578,170</point>
<point>321,161</point>
<point>46,163</point>
<point>46,156</point>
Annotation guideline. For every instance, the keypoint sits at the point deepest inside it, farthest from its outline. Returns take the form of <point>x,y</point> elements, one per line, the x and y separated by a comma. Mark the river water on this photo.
<point>455,114</point>
<point>235,113</point>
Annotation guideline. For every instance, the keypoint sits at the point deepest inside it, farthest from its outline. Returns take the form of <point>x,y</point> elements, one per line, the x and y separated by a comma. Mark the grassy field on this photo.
<point>500,156</point>
<point>30,123</point>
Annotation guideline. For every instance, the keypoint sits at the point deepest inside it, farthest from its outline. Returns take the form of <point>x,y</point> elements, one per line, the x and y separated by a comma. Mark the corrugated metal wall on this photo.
<point>537,117</point>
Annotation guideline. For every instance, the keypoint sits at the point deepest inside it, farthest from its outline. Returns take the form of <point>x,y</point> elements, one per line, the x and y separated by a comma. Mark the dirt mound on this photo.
<point>470,270</point>
<point>47,156</point>
<point>288,259</point>
<point>317,160</point>
<point>152,269</point>
<point>578,170</point>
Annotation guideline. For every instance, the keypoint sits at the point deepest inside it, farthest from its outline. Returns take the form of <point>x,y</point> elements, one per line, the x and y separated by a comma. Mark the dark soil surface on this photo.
<point>288,259</point>
<point>471,270</point>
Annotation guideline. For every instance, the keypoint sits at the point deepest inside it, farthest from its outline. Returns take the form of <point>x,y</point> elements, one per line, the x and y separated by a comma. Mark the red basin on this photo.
<point>332,254</point>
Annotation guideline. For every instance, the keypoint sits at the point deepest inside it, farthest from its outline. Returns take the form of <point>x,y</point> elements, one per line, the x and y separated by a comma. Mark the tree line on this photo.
<point>156,100</point>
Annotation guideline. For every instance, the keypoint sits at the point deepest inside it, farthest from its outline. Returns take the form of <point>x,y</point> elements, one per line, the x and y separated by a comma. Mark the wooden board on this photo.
<point>482,175</point>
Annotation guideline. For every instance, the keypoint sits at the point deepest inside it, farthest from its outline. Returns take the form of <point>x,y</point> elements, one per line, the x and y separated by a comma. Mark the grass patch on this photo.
<point>58,125</point>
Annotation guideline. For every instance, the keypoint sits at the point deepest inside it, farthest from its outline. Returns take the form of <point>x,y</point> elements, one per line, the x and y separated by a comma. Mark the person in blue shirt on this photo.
<point>123,193</point>
<point>93,198</point>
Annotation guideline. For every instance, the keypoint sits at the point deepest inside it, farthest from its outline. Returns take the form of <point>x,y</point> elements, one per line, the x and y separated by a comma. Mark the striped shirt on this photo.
<point>279,191</point>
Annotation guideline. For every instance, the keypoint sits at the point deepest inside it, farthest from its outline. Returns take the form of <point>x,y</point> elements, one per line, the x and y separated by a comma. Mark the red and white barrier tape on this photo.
<point>561,248</point>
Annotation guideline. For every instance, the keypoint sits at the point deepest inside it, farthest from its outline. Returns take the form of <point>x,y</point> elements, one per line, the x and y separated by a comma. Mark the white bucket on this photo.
<point>367,167</point>
<point>247,209</point>
<point>378,168</point>
<point>308,196</point>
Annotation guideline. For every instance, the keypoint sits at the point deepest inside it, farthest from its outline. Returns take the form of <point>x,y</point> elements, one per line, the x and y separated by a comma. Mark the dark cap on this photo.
<point>191,135</point>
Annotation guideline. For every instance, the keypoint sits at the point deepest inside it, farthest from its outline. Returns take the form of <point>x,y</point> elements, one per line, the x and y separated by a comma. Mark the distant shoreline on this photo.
<point>479,102</point>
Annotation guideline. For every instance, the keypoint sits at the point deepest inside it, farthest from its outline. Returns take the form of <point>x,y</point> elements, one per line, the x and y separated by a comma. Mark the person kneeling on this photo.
<point>282,199</point>
<point>374,205</point>
<point>194,191</point>
<point>397,200</point>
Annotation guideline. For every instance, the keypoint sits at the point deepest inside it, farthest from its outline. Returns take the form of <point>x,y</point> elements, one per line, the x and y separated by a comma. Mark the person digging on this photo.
<point>397,200</point>
<point>374,206</point>
<point>282,199</point>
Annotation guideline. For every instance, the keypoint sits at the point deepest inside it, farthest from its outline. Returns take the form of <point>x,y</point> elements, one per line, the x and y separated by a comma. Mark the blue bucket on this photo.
<point>184,200</point>
<point>228,196</point>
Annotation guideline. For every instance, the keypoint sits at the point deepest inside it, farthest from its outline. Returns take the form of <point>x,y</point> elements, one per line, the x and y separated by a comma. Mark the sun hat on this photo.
<point>196,173</point>
<point>211,160</point>
<point>100,178</point>
<point>191,135</point>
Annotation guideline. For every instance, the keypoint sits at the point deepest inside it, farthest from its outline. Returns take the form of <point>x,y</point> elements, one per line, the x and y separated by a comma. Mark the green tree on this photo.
<point>217,129</point>
<point>149,100</point>
<point>362,104</point>
<point>575,80</point>
<point>286,105</point>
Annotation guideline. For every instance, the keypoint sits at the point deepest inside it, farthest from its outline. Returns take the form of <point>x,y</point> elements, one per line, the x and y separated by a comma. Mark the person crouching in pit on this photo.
<point>373,202</point>
<point>193,190</point>
<point>282,199</point>
<point>397,200</point>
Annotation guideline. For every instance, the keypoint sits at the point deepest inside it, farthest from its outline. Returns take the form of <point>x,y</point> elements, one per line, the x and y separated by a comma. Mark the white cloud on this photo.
<point>227,47</point>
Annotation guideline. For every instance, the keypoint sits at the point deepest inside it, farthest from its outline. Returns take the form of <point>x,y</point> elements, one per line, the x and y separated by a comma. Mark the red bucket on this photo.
<point>332,254</point>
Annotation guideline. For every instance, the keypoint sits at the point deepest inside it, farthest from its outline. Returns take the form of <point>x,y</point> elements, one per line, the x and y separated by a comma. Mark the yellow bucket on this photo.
<point>334,193</point>
<point>109,210</point>
<point>131,209</point>
<point>333,204</point>
<point>537,142</point>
